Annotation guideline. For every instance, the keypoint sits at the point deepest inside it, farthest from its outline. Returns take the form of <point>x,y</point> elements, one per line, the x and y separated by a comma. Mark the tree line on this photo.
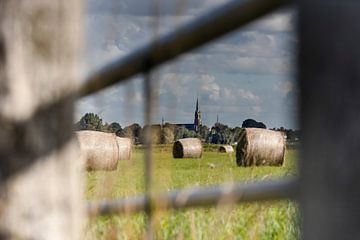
<point>168,133</point>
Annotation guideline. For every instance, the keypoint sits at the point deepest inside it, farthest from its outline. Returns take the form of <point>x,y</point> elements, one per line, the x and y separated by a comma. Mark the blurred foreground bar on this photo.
<point>199,197</point>
<point>329,77</point>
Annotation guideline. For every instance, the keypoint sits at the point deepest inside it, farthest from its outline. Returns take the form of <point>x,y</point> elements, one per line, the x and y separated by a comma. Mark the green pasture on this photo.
<point>265,220</point>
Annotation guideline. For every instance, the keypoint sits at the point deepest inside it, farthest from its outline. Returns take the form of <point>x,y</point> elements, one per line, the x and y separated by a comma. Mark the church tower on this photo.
<point>197,119</point>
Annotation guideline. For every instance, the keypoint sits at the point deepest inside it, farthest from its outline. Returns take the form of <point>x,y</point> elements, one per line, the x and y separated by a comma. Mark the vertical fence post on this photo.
<point>149,107</point>
<point>40,194</point>
<point>329,61</point>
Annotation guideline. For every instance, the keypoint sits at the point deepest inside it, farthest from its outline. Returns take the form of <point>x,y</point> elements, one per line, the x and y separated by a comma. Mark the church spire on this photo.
<point>197,105</point>
<point>197,119</point>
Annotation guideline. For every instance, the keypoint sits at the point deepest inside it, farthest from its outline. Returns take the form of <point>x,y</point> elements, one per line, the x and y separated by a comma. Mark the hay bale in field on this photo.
<point>99,150</point>
<point>226,149</point>
<point>124,145</point>
<point>187,148</point>
<point>260,147</point>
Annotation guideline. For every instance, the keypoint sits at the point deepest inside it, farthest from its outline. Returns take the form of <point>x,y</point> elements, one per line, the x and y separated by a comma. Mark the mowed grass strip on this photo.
<point>266,220</point>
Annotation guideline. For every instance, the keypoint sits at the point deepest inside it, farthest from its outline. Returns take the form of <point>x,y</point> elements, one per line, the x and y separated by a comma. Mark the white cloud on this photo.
<point>248,43</point>
<point>176,84</point>
<point>257,49</point>
<point>256,109</point>
<point>209,87</point>
<point>216,92</point>
<point>151,8</point>
<point>284,88</point>
<point>262,49</point>
<point>257,65</point>
<point>181,84</point>
<point>277,22</point>
<point>247,95</point>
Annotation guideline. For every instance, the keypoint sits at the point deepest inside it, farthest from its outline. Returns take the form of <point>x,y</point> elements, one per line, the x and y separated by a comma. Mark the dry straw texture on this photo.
<point>226,149</point>
<point>99,150</point>
<point>260,147</point>
<point>187,148</point>
<point>124,145</point>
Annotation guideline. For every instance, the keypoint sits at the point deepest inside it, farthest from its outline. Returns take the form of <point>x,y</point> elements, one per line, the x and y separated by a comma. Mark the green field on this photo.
<point>266,220</point>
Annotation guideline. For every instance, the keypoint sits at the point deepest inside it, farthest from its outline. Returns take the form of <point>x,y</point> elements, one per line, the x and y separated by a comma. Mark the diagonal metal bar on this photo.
<point>199,197</point>
<point>210,26</point>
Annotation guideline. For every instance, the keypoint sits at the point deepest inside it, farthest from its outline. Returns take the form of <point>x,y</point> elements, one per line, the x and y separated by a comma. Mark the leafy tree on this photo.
<point>251,123</point>
<point>114,128</point>
<point>155,133</point>
<point>291,135</point>
<point>179,132</point>
<point>90,121</point>
<point>167,133</point>
<point>134,131</point>
<point>204,132</point>
<point>182,132</point>
<point>220,134</point>
<point>190,134</point>
<point>126,132</point>
<point>137,130</point>
<point>215,138</point>
<point>236,131</point>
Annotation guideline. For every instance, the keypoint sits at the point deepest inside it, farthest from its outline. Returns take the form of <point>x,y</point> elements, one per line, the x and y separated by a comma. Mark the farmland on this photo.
<point>269,220</point>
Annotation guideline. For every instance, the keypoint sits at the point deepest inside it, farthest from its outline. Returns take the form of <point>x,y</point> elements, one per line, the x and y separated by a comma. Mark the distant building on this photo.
<point>197,120</point>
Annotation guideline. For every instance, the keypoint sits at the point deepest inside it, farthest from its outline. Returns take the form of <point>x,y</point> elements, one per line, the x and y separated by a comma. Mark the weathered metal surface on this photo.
<point>40,196</point>
<point>329,77</point>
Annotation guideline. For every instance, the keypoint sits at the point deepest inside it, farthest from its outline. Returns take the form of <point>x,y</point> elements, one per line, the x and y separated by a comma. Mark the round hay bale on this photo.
<point>260,147</point>
<point>187,148</point>
<point>226,149</point>
<point>124,145</point>
<point>99,150</point>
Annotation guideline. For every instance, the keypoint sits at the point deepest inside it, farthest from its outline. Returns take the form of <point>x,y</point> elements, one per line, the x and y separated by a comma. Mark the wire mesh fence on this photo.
<point>40,183</point>
<point>209,27</point>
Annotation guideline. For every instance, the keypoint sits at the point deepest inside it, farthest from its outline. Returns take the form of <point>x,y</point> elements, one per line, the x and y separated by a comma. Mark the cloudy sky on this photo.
<point>248,74</point>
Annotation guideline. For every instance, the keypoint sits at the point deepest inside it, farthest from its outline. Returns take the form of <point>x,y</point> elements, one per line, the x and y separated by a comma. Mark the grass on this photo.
<point>269,220</point>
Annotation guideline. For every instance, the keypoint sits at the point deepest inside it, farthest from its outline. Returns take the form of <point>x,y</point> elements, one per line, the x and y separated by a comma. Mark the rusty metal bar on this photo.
<point>202,30</point>
<point>199,197</point>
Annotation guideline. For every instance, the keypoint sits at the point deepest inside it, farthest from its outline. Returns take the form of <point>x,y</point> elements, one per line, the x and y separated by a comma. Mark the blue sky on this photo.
<point>248,74</point>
